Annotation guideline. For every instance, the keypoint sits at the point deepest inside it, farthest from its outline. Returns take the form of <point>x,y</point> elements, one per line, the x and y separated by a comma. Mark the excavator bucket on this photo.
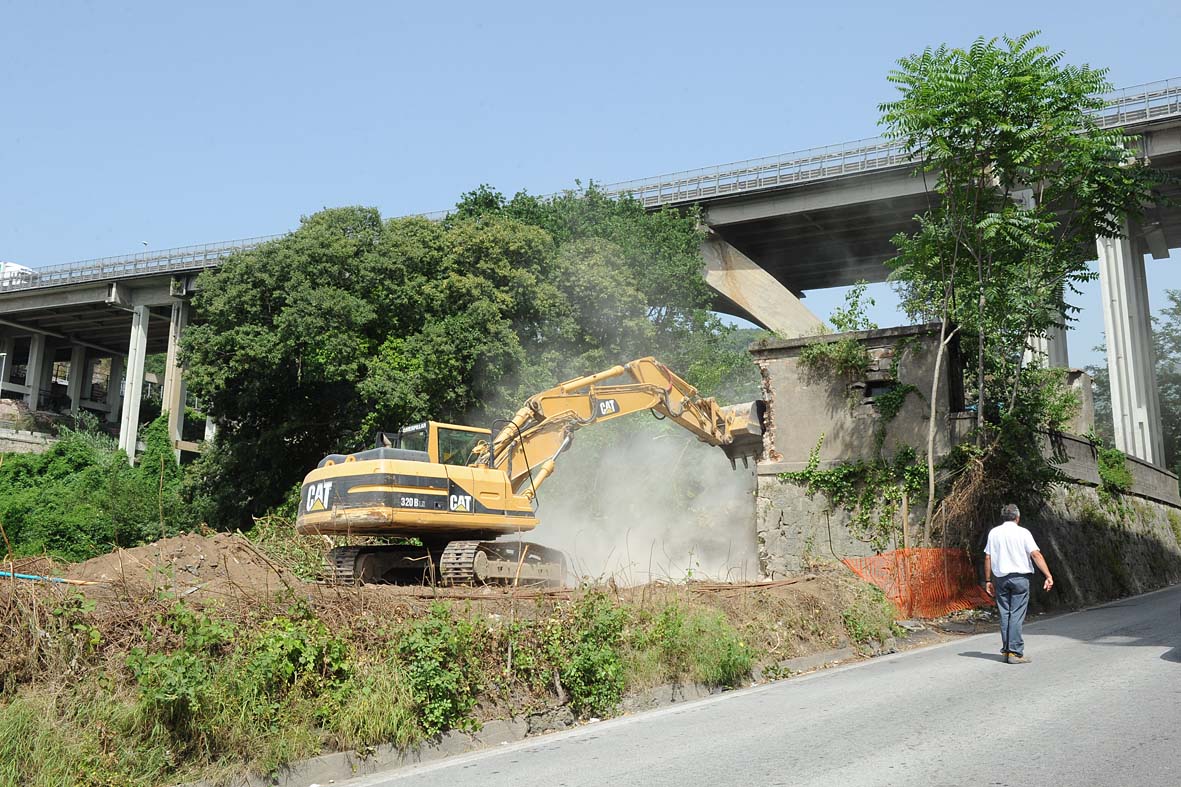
<point>746,429</point>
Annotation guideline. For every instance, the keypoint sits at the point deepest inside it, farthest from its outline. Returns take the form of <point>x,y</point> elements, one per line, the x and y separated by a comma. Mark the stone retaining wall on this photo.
<point>1097,549</point>
<point>19,441</point>
<point>1120,547</point>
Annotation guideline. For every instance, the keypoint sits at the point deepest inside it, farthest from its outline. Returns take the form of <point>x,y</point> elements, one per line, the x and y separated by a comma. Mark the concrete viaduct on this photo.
<point>778,226</point>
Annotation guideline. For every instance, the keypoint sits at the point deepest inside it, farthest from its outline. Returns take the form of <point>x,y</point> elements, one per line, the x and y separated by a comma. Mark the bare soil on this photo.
<point>190,566</point>
<point>782,619</point>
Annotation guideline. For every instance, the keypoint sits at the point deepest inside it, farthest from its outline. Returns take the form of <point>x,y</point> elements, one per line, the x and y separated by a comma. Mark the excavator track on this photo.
<point>501,563</point>
<point>340,565</point>
<point>457,565</point>
<point>386,563</point>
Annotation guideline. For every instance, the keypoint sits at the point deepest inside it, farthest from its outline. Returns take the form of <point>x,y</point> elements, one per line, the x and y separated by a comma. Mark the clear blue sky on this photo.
<point>178,124</point>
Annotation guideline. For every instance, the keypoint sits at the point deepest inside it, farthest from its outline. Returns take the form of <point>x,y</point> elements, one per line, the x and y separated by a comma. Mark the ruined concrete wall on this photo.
<point>1125,553</point>
<point>795,530</point>
<point>803,405</point>
<point>1097,550</point>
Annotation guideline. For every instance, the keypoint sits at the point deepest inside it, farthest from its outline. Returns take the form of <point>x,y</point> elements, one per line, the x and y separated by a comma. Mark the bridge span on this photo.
<point>779,226</point>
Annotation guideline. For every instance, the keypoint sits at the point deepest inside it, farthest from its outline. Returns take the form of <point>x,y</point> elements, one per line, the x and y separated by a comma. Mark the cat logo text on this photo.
<point>317,497</point>
<point>607,407</point>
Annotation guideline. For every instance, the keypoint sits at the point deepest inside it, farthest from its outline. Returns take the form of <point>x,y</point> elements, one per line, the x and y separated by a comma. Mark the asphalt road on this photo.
<point>1100,704</point>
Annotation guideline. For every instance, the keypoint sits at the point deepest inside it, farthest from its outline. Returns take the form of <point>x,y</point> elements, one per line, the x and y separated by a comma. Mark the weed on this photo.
<point>275,535</point>
<point>870,616</point>
<point>438,655</point>
<point>585,645</point>
<point>719,656</point>
<point>375,705</point>
<point>698,645</point>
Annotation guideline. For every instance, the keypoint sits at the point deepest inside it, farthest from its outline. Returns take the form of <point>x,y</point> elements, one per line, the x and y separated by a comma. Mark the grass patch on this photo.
<point>161,690</point>
<point>870,616</point>
<point>1175,524</point>
<point>678,644</point>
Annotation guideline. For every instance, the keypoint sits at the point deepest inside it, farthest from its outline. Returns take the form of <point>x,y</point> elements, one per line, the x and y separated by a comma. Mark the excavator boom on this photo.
<point>527,447</point>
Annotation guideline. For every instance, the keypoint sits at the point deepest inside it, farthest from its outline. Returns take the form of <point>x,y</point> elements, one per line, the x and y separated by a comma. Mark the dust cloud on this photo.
<point>638,500</point>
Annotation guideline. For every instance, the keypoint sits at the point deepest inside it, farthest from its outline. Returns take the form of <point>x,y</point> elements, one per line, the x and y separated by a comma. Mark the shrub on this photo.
<point>81,497</point>
<point>585,644</point>
<point>438,656</point>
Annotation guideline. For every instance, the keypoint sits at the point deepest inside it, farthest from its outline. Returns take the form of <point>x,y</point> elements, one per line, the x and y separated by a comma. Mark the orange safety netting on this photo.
<point>926,583</point>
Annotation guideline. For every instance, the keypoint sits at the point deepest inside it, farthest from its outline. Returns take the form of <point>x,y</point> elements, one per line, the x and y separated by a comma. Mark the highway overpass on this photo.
<point>779,226</point>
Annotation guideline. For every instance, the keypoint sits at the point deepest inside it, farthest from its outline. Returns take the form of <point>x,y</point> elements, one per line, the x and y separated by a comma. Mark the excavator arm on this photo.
<point>528,446</point>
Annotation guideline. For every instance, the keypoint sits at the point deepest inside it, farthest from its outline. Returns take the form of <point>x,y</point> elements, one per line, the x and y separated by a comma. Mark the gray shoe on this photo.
<point>1016,658</point>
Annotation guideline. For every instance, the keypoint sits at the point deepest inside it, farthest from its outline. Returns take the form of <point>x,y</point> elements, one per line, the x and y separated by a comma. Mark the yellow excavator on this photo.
<point>466,494</point>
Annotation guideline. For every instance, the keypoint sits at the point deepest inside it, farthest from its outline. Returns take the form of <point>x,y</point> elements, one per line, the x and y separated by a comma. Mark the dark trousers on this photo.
<point>1012,600</point>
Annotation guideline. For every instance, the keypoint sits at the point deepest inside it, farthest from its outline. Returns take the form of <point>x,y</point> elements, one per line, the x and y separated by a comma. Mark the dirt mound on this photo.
<point>189,566</point>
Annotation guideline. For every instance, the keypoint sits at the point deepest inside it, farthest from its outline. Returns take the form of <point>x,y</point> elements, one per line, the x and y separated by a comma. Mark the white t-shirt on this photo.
<point>1009,546</point>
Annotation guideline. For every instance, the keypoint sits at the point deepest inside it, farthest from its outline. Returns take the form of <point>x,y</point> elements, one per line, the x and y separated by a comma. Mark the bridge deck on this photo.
<point>1131,108</point>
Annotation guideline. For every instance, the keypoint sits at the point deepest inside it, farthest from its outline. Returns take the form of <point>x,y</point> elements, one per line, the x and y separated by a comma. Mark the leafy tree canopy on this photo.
<point>307,344</point>
<point>1024,180</point>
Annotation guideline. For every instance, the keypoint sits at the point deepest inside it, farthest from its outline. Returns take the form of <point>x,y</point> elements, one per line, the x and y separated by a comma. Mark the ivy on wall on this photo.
<point>871,492</point>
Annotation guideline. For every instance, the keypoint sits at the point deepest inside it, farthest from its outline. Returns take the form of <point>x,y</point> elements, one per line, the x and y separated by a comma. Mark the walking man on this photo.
<point>1008,565</point>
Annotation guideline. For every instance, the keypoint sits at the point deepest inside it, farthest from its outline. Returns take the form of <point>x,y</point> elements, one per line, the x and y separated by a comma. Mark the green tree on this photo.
<point>1024,180</point>
<point>307,344</point>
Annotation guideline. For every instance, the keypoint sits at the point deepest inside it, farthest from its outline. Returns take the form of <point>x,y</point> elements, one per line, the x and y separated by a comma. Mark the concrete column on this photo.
<point>1050,350</point>
<point>752,289</point>
<point>1135,406</point>
<point>7,345</point>
<point>35,370</point>
<point>133,396</point>
<point>77,375</point>
<point>174,387</point>
<point>210,429</point>
<point>114,396</point>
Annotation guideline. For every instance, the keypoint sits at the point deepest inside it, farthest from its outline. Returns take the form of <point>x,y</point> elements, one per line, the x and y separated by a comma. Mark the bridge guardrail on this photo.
<point>1128,106</point>
<point>184,258</point>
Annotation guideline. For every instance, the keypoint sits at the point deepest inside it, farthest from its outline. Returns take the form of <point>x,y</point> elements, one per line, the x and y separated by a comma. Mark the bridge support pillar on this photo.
<point>7,349</point>
<point>133,395</point>
<point>1050,350</point>
<point>77,372</point>
<point>35,370</point>
<point>174,383</point>
<point>1135,405</point>
<point>757,292</point>
<point>114,389</point>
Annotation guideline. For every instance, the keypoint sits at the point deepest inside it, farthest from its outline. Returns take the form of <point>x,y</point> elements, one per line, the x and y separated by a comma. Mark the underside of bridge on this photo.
<point>837,231</point>
<point>83,347</point>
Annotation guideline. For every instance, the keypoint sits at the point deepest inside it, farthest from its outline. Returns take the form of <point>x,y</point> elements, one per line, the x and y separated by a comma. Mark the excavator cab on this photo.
<point>445,444</point>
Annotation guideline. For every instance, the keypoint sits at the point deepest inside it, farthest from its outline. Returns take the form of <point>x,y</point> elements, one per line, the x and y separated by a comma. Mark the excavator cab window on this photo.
<point>411,438</point>
<point>455,445</point>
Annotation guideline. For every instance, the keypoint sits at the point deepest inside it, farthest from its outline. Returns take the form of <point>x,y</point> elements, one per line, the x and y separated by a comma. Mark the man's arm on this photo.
<point>988,573</point>
<point>1041,564</point>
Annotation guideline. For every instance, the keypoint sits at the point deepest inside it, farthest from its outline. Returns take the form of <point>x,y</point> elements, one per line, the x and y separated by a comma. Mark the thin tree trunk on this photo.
<point>944,339</point>
<point>980,365</point>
